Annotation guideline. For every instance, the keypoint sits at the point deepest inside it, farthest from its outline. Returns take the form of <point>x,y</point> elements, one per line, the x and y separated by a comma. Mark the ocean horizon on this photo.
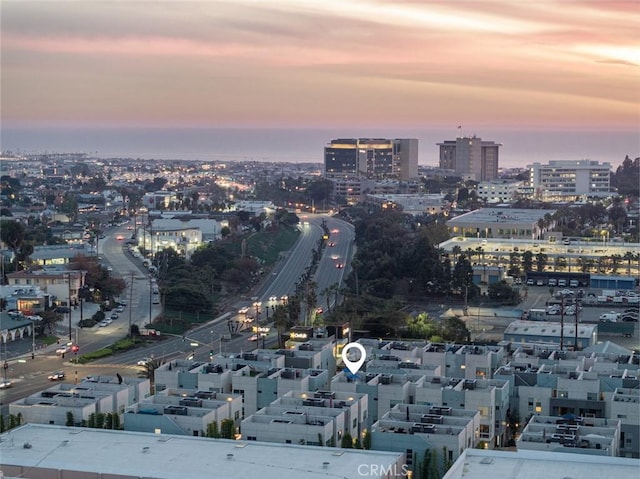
<point>519,148</point>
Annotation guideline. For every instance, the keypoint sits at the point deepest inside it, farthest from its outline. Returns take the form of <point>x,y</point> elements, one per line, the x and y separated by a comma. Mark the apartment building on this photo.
<point>434,359</point>
<point>355,406</point>
<point>182,411</point>
<point>315,426</point>
<point>414,429</point>
<point>63,285</point>
<point>93,395</point>
<point>570,434</point>
<point>565,180</point>
<point>490,397</point>
<point>585,384</point>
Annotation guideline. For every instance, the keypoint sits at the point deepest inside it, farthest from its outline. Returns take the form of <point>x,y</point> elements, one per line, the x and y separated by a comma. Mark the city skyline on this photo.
<point>306,64</point>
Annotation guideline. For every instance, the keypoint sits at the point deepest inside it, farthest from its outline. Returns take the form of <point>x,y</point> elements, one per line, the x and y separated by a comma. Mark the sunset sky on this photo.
<point>325,63</point>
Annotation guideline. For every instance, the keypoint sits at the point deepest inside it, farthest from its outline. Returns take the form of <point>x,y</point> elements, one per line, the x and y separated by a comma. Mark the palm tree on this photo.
<point>559,262</point>
<point>615,262</point>
<point>527,261</point>
<point>149,370</point>
<point>456,251</point>
<point>541,261</point>
<point>629,256</point>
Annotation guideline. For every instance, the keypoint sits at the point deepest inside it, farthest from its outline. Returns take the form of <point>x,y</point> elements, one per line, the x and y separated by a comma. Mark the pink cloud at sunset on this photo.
<point>321,63</point>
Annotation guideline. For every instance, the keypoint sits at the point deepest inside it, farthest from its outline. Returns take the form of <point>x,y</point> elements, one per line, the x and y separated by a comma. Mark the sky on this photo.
<point>506,65</point>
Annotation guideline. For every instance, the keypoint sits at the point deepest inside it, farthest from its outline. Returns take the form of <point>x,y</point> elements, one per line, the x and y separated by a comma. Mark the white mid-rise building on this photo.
<point>499,191</point>
<point>570,180</point>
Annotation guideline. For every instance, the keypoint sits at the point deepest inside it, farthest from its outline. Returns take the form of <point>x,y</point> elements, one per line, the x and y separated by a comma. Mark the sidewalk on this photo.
<point>23,349</point>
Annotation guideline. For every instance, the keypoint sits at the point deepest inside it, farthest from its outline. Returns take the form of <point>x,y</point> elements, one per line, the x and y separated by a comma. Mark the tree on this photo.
<point>462,278</point>
<point>501,291</point>
<point>212,430</point>
<point>541,261</point>
<point>70,420</point>
<point>227,429</point>
<point>366,440</point>
<point>455,330</point>
<point>115,420</point>
<point>559,263</point>
<point>149,369</point>
<point>629,257</point>
<point>12,234</point>
<point>347,441</point>
<point>421,327</point>
<point>527,261</point>
<point>426,466</point>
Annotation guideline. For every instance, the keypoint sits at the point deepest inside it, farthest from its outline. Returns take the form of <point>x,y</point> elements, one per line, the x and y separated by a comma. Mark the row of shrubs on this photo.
<point>120,345</point>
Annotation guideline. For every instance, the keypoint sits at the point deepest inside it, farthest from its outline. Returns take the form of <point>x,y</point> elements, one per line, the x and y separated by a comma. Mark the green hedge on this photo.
<point>100,353</point>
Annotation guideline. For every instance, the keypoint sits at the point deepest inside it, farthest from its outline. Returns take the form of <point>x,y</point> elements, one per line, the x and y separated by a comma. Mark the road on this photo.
<point>30,376</point>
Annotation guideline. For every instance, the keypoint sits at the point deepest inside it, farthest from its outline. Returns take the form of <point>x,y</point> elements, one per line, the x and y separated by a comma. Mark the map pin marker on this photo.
<point>353,366</point>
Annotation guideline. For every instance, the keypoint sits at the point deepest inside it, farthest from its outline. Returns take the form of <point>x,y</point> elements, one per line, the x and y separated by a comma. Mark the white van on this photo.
<point>553,282</point>
<point>562,283</point>
<point>609,317</point>
<point>574,283</point>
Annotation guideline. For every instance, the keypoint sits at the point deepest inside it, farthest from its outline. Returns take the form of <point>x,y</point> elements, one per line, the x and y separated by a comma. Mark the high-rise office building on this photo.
<point>471,157</point>
<point>374,158</point>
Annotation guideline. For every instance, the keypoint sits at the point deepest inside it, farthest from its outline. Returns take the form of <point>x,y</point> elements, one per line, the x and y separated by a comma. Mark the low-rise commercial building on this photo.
<point>35,450</point>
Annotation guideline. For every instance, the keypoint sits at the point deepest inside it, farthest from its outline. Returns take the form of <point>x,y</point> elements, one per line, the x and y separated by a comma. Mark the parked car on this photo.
<point>529,282</point>
<point>57,376</point>
<point>103,323</point>
<point>114,316</point>
<point>5,384</point>
<point>610,317</point>
<point>144,361</point>
<point>119,309</point>
<point>540,282</point>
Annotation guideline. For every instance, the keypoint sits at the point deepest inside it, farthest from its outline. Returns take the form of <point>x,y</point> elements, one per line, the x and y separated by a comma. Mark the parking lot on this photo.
<point>488,324</point>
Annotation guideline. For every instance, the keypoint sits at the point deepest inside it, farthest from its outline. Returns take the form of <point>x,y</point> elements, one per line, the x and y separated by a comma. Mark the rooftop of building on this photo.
<point>549,329</point>
<point>130,454</point>
<point>501,215</point>
<point>483,463</point>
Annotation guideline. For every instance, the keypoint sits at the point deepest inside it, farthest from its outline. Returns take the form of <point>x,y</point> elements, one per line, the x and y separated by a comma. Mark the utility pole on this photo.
<point>130,301</point>
<point>577,304</point>
<point>69,300</point>
<point>562,323</point>
<point>33,340</point>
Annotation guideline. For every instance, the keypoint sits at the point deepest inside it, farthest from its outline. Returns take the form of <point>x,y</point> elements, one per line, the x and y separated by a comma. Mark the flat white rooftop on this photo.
<point>162,456</point>
<point>483,464</point>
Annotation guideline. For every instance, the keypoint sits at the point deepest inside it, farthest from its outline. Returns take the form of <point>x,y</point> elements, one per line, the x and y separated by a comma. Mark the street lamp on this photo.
<point>69,300</point>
